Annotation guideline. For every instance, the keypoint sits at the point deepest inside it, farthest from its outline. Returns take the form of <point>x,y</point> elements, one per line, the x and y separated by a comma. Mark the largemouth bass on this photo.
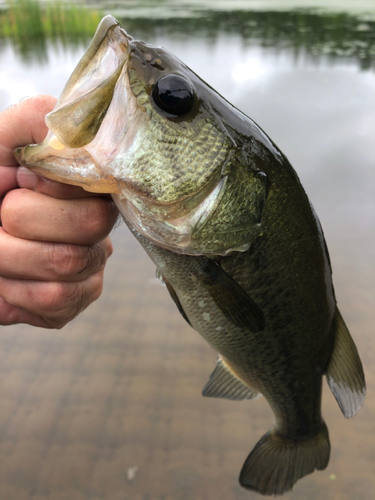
<point>223,215</point>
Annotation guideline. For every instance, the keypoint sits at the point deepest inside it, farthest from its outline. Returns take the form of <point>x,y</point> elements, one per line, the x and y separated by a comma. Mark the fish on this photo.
<point>222,214</point>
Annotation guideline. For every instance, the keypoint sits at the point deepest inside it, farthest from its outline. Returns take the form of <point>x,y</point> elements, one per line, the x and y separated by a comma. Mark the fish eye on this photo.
<point>174,94</point>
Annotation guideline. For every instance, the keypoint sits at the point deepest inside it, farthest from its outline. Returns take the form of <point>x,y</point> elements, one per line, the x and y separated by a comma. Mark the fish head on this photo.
<point>136,122</point>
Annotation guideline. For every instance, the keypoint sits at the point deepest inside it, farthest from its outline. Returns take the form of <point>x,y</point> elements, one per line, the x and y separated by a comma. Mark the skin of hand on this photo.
<point>53,237</point>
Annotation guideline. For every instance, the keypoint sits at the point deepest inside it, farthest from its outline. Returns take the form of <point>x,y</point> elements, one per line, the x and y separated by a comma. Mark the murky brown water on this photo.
<point>110,407</point>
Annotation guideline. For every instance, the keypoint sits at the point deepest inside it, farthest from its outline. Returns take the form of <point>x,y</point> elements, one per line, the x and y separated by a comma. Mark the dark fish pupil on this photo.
<point>174,94</point>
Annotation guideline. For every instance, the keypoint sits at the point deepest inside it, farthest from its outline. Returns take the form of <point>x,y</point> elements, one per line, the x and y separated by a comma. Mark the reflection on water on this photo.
<point>338,35</point>
<point>110,407</point>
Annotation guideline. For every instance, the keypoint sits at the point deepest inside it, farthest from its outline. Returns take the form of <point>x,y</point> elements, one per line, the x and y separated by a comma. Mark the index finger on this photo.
<point>23,124</point>
<point>30,180</point>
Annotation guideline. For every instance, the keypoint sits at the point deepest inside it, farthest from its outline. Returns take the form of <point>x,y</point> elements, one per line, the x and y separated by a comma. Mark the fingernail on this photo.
<point>26,178</point>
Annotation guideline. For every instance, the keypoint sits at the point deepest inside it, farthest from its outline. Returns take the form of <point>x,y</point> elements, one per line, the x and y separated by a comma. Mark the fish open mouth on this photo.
<point>80,110</point>
<point>79,114</point>
<point>108,134</point>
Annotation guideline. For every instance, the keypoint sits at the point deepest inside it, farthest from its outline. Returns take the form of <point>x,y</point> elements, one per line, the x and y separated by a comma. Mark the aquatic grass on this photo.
<point>29,23</point>
<point>50,19</point>
<point>71,19</point>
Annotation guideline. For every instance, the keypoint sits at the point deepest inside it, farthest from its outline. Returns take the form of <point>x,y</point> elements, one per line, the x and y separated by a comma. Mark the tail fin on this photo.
<point>277,463</point>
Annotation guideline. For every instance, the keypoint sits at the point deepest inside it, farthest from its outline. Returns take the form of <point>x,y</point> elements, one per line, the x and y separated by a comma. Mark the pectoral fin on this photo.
<point>224,383</point>
<point>175,299</point>
<point>345,373</point>
<point>230,297</point>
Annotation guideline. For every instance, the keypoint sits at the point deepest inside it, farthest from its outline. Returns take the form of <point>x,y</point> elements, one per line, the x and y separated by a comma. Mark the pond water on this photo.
<point>110,407</point>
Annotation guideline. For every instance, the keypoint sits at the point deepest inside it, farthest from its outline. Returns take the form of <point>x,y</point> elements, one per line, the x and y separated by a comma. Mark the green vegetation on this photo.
<point>29,23</point>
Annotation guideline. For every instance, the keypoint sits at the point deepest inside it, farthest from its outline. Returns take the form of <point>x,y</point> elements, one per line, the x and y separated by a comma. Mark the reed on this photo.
<point>50,19</point>
<point>28,24</point>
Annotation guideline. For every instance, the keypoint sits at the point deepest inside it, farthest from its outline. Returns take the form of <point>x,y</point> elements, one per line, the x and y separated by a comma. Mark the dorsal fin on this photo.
<point>223,383</point>
<point>345,373</point>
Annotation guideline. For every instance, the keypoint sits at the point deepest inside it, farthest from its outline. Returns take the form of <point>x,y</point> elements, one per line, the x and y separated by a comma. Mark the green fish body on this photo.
<point>223,215</point>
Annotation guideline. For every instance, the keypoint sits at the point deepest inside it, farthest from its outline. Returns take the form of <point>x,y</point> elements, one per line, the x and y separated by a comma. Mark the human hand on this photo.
<point>54,238</point>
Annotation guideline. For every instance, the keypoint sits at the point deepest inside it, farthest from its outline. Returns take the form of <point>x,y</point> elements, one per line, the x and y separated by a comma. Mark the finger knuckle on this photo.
<point>96,286</point>
<point>56,296</point>
<point>108,247</point>
<point>65,301</point>
<point>77,301</point>
<point>98,217</point>
<point>94,260</point>
<point>65,260</point>
<point>76,262</point>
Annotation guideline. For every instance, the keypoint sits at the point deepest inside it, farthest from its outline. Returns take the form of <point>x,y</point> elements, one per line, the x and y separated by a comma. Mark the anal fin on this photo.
<point>345,373</point>
<point>224,383</point>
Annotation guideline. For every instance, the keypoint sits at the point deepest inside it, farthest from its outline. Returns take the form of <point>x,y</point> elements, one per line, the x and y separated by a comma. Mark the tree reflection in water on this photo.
<point>28,24</point>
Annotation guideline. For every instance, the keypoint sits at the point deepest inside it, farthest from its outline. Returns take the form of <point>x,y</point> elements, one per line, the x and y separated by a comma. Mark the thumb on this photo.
<point>23,124</point>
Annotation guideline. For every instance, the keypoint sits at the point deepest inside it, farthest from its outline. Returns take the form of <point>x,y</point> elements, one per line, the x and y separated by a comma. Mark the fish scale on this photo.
<point>154,151</point>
